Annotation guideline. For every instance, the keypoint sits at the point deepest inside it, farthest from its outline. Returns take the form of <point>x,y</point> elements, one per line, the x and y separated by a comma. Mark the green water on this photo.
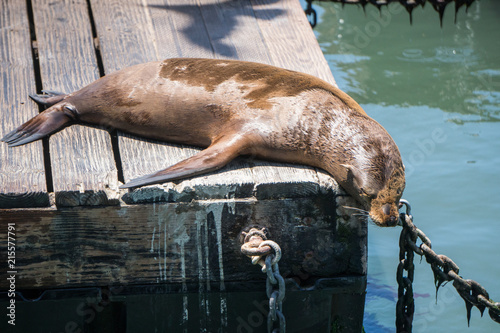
<point>437,91</point>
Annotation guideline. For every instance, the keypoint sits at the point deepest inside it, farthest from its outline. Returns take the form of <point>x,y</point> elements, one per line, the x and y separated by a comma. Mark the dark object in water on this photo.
<point>438,5</point>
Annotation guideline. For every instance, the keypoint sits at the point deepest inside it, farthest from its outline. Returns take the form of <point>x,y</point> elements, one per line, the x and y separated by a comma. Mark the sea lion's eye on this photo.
<point>362,191</point>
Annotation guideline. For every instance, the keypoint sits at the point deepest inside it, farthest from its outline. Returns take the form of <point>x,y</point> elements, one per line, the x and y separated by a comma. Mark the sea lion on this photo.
<point>236,108</point>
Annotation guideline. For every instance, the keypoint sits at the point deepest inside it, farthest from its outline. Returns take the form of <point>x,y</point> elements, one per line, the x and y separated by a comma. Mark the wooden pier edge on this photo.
<point>182,242</point>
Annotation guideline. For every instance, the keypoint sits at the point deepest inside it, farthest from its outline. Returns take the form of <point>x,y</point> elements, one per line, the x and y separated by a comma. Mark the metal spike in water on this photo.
<point>363,4</point>
<point>468,3</point>
<point>440,8</point>
<point>458,4</point>
<point>468,306</point>
<point>378,4</point>
<point>438,5</point>
<point>409,9</point>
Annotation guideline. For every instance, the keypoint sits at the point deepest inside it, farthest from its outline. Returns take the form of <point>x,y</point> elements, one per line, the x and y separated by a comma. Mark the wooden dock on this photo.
<point>172,246</point>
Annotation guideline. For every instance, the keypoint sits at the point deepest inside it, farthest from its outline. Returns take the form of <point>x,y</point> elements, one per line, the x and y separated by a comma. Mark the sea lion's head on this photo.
<point>379,191</point>
<point>384,207</point>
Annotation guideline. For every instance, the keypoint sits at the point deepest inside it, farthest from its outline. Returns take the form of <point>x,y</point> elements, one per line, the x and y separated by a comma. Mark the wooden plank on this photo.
<point>191,242</point>
<point>290,39</point>
<point>164,308</point>
<point>246,312</point>
<point>22,174</point>
<point>125,33</point>
<point>233,30</point>
<point>179,29</point>
<point>84,170</point>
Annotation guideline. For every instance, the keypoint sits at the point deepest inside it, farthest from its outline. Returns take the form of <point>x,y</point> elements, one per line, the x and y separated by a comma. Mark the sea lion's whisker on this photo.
<point>358,209</point>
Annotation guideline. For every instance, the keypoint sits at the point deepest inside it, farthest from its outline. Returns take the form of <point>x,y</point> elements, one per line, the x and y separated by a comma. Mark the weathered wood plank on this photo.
<point>164,308</point>
<point>125,32</point>
<point>233,30</point>
<point>247,311</point>
<point>84,170</point>
<point>22,174</point>
<point>179,29</point>
<point>178,242</point>
<point>290,39</point>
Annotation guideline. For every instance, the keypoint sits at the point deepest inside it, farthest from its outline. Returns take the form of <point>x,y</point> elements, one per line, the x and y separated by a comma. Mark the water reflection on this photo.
<point>454,68</point>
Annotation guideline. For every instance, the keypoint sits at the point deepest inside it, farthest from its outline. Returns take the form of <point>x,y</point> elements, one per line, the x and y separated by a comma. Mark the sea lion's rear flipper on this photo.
<point>216,156</point>
<point>49,121</point>
<point>48,98</point>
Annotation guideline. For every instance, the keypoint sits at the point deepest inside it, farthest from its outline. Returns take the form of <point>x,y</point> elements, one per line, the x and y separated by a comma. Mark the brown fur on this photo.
<point>270,81</point>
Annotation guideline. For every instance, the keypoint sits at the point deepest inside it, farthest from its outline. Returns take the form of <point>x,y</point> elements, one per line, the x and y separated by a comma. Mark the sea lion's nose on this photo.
<point>393,220</point>
<point>390,220</point>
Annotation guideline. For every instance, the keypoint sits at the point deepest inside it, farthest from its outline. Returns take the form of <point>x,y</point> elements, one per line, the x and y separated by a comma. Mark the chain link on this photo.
<point>310,12</point>
<point>256,246</point>
<point>405,306</point>
<point>444,270</point>
<point>408,3</point>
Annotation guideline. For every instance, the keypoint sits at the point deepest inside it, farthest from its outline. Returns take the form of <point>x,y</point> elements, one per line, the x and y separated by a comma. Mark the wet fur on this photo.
<point>236,108</point>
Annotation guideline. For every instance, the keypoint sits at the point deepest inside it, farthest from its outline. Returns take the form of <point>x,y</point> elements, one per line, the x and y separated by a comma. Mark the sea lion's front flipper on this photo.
<point>48,98</point>
<point>216,156</point>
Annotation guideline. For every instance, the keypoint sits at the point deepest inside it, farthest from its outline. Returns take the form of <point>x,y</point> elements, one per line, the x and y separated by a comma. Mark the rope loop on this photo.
<point>267,253</point>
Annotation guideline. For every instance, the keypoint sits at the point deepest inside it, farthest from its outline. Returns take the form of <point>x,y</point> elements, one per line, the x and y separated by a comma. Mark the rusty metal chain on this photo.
<point>438,5</point>
<point>444,270</point>
<point>267,253</point>
<point>405,306</point>
<point>409,4</point>
<point>311,12</point>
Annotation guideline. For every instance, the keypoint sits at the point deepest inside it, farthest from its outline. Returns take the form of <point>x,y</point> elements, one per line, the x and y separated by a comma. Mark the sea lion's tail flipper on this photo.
<point>48,98</point>
<point>44,124</point>
<point>213,158</point>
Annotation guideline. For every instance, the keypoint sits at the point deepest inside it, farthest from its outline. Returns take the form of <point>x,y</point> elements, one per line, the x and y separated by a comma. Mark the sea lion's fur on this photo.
<point>236,108</point>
